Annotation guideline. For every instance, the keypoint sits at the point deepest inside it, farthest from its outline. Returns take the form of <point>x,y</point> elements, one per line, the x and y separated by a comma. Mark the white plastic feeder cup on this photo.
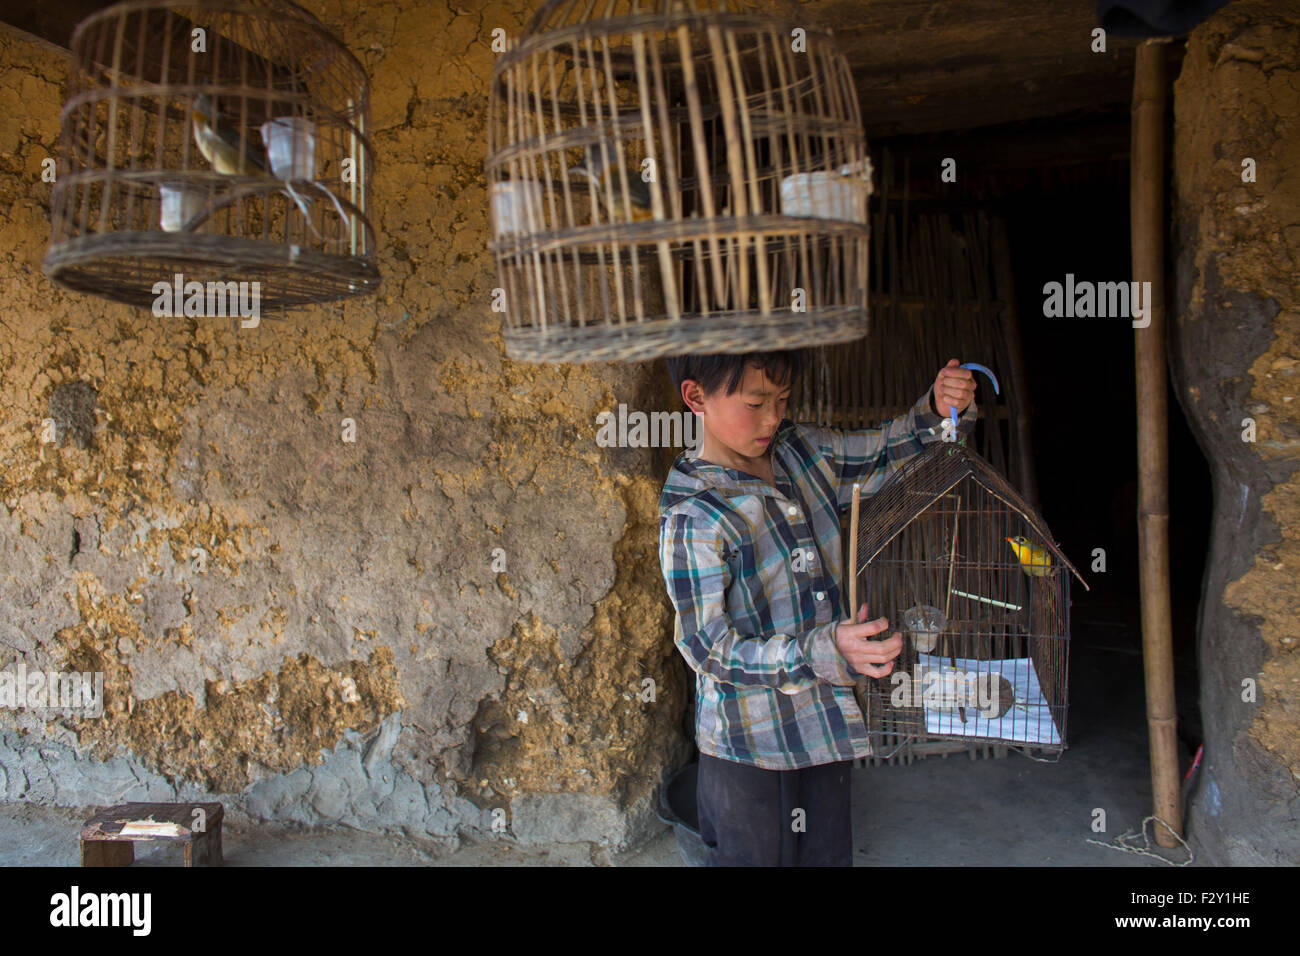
<point>180,203</point>
<point>516,207</point>
<point>825,195</point>
<point>291,147</point>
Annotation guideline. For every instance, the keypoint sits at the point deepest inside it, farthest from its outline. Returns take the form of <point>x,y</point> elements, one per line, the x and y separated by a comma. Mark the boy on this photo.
<point>749,544</point>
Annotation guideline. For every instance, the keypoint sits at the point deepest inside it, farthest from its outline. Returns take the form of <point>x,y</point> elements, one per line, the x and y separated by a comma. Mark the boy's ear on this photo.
<point>695,392</point>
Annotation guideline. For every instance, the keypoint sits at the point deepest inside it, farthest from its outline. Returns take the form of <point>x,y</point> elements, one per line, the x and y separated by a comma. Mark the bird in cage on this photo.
<point>1034,559</point>
<point>606,178</point>
<point>218,141</point>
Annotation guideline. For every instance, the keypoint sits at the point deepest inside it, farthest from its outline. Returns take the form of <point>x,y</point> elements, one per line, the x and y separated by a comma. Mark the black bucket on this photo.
<point>677,807</point>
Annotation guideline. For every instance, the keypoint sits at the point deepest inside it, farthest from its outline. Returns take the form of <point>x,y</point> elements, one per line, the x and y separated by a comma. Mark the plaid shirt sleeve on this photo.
<point>869,456</point>
<point>693,557</point>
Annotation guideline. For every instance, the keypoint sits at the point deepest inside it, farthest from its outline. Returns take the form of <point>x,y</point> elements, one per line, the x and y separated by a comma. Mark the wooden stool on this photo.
<point>102,842</point>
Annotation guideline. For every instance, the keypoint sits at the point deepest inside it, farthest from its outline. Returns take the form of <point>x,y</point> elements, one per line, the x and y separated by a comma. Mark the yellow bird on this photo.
<point>1034,560</point>
<point>218,141</point>
<point>607,179</point>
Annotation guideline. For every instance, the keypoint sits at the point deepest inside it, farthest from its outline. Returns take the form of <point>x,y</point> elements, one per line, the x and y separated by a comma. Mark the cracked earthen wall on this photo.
<point>315,630</point>
<point>1235,349</point>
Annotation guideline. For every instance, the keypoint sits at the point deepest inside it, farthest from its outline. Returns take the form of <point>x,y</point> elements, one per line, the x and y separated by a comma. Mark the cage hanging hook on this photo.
<point>974,367</point>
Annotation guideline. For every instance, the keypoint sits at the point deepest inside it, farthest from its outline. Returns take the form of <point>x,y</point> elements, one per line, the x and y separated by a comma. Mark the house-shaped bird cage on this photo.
<point>672,176</point>
<point>211,143</point>
<point>968,573</point>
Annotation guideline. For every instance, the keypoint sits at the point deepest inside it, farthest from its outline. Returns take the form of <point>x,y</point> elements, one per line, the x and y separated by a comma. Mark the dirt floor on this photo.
<point>936,812</point>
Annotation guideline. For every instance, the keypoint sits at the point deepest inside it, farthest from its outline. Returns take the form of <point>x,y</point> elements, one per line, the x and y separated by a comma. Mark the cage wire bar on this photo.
<point>671,176</point>
<point>985,643</point>
<point>222,140</point>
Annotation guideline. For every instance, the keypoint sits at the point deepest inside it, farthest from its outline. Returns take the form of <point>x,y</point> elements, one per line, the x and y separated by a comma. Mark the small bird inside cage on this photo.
<point>218,141</point>
<point>605,177</point>
<point>1034,559</point>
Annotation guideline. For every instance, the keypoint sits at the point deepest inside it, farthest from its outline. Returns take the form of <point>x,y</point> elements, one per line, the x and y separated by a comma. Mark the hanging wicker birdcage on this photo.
<point>219,141</point>
<point>671,177</point>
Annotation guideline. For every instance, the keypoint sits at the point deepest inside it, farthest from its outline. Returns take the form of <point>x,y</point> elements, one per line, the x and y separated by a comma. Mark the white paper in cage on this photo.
<point>1031,725</point>
<point>516,206</point>
<point>825,195</point>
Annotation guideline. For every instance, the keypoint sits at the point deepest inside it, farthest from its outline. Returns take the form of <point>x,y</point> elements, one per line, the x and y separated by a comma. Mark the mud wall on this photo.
<point>308,628</point>
<point>1235,344</point>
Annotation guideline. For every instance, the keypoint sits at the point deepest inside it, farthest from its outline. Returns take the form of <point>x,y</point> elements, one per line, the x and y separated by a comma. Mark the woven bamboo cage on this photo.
<point>676,176</point>
<point>985,636</point>
<point>221,141</point>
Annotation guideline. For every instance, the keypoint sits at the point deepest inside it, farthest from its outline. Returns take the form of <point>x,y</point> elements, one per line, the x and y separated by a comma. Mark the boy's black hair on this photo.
<point>718,371</point>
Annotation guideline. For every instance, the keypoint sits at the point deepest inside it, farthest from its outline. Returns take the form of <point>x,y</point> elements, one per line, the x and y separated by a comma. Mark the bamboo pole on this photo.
<point>853,555</point>
<point>859,689</point>
<point>1147,219</point>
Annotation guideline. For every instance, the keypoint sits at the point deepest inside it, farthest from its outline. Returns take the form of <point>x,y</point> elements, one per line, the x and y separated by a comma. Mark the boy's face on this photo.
<point>738,428</point>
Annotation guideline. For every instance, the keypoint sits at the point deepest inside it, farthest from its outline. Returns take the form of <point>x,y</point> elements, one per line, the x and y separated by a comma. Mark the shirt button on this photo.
<point>792,510</point>
<point>821,595</point>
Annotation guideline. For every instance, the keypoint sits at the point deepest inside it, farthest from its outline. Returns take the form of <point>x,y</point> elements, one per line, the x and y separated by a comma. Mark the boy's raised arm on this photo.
<point>696,573</point>
<point>870,455</point>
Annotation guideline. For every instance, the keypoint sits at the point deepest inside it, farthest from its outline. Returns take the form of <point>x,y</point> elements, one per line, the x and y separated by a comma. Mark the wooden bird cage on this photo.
<point>671,177</point>
<point>985,642</point>
<point>271,188</point>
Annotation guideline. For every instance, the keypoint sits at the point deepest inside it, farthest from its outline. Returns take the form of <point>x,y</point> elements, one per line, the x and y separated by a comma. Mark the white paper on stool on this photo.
<point>151,828</point>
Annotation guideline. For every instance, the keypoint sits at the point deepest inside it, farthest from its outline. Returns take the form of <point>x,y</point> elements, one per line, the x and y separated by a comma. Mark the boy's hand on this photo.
<point>868,656</point>
<point>954,387</point>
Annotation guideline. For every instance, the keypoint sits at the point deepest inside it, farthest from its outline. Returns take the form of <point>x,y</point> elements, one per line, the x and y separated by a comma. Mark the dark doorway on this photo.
<point>1081,379</point>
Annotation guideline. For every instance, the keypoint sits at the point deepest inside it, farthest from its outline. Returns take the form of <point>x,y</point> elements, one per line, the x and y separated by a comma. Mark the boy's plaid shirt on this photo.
<point>772,689</point>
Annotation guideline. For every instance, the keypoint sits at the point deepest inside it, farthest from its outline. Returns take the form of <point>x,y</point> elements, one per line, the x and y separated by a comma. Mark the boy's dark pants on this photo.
<point>747,814</point>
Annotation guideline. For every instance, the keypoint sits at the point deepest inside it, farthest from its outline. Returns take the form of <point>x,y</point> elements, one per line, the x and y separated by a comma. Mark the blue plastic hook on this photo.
<point>974,367</point>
